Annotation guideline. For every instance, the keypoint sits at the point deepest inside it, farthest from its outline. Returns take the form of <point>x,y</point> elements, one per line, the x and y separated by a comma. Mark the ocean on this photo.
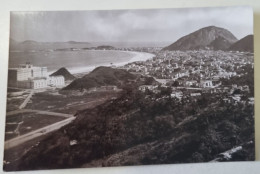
<point>75,61</point>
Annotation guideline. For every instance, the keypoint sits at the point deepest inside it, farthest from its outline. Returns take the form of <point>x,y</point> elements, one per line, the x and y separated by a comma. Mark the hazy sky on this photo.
<point>163,25</point>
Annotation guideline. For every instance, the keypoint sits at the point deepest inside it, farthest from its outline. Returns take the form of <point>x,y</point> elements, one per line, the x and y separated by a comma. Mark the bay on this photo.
<point>76,61</point>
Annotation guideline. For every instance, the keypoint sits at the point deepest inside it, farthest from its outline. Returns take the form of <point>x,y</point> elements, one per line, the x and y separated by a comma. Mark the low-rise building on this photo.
<point>195,94</point>
<point>206,84</point>
<point>146,87</point>
<point>177,94</point>
<point>191,83</point>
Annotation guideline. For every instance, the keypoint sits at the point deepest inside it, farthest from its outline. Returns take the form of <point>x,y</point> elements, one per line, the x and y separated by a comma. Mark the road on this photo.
<point>39,112</point>
<point>26,100</point>
<point>34,134</point>
<point>183,87</point>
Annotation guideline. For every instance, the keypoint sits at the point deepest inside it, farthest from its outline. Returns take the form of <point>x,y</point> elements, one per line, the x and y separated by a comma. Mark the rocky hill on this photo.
<point>101,76</point>
<point>106,76</point>
<point>220,43</point>
<point>245,44</point>
<point>65,73</point>
<point>205,38</point>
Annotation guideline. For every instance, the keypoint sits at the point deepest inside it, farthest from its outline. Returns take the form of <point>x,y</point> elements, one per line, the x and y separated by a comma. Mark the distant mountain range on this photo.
<point>31,45</point>
<point>214,38</point>
<point>211,37</point>
<point>35,42</point>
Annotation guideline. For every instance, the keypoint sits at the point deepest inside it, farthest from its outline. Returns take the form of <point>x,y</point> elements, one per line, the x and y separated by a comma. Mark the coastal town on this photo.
<point>203,77</point>
<point>193,80</point>
<point>197,72</point>
<point>142,90</point>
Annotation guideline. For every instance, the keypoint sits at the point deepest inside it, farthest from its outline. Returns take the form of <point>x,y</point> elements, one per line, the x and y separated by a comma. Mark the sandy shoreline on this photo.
<point>137,56</point>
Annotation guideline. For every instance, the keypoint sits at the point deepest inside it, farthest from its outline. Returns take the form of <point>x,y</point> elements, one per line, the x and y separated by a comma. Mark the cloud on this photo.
<point>127,25</point>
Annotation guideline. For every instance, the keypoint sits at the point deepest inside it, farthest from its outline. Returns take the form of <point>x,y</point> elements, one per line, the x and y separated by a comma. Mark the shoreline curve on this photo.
<point>137,56</point>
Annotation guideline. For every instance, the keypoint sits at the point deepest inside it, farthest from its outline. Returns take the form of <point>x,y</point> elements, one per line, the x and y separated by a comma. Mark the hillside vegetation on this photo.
<point>148,129</point>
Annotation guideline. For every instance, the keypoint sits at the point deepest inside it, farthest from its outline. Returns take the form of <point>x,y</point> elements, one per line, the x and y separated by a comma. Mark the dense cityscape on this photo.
<point>203,71</point>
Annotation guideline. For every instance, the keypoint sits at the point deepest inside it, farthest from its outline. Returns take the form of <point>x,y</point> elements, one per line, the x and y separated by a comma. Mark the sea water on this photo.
<point>76,61</point>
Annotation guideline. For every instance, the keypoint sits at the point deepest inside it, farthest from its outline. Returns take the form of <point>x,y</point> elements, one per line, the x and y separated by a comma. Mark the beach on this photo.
<point>135,56</point>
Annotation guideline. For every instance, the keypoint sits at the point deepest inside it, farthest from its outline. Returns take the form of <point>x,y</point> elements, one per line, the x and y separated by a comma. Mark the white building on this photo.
<point>206,84</point>
<point>177,94</point>
<point>145,87</point>
<point>55,81</point>
<point>28,71</point>
<point>31,77</point>
<point>195,94</point>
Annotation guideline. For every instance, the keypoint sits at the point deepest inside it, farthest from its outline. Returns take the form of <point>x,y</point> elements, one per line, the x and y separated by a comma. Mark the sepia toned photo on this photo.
<point>110,88</point>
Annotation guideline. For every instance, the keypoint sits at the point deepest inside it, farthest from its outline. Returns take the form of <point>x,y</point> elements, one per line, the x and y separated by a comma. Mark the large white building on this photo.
<point>31,77</point>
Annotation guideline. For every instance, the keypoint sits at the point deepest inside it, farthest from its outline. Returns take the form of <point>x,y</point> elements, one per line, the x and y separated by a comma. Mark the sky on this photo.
<point>153,25</point>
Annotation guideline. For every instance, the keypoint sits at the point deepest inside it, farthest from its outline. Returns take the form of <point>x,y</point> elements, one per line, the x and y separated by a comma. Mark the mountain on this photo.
<point>65,73</point>
<point>106,76</point>
<point>245,44</point>
<point>220,43</point>
<point>29,42</point>
<point>203,38</point>
<point>101,76</point>
<point>35,42</point>
<point>31,45</point>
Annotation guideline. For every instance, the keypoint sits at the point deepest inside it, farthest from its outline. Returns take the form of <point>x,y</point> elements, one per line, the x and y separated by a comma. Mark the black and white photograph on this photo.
<point>106,88</point>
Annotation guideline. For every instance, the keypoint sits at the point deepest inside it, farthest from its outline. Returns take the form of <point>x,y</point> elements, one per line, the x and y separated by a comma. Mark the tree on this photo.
<point>175,83</point>
<point>166,91</point>
<point>149,81</point>
<point>237,91</point>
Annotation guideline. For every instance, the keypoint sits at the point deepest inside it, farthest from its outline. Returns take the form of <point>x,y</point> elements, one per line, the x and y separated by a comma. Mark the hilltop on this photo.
<point>63,72</point>
<point>245,44</point>
<point>205,38</point>
<point>101,76</point>
<point>106,76</point>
